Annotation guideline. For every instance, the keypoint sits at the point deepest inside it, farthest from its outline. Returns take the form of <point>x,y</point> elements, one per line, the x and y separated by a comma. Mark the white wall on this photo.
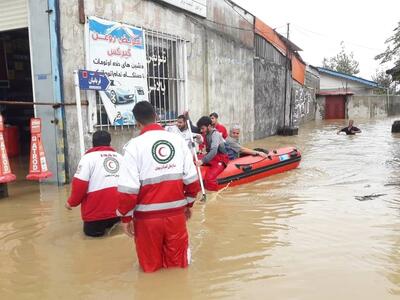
<point>328,82</point>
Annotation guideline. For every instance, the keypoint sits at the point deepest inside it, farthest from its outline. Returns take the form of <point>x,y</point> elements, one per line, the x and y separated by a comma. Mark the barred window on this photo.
<point>165,78</point>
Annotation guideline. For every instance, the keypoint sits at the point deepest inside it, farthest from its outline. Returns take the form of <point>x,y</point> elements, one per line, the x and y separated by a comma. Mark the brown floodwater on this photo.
<point>327,230</point>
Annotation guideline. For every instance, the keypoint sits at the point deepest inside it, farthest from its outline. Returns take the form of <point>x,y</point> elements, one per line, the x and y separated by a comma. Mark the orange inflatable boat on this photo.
<point>250,168</point>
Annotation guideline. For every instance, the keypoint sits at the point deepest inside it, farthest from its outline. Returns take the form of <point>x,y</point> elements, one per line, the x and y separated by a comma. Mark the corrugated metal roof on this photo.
<point>292,46</point>
<point>348,77</point>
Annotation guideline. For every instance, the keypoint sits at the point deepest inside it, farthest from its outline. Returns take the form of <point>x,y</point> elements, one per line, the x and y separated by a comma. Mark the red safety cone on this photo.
<point>38,165</point>
<point>5,171</point>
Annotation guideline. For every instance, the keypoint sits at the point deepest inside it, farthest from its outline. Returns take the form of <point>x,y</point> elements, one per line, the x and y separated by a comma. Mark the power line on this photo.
<point>283,25</point>
<point>302,29</point>
<point>231,5</point>
<point>217,23</point>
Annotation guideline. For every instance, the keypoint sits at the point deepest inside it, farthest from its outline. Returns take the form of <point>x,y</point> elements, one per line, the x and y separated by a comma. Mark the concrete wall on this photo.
<point>320,108</point>
<point>364,106</point>
<point>220,68</point>
<point>312,79</point>
<point>269,89</point>
<point>303,104</point>
<point>231,84</point>
<point>372,106</point>
<point>394,105</point>
<point>328,82</point>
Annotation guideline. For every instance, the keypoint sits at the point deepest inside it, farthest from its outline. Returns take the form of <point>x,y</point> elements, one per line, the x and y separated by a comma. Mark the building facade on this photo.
<point>202,56</point>
<point>336,91</point>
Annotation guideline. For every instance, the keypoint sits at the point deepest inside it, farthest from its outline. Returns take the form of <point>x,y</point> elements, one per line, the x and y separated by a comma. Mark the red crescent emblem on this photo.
<point>160,151</point>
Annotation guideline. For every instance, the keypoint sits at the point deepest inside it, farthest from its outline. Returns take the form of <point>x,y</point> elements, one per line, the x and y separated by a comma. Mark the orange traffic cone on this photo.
<point>38,165</point>
<point>5,170</point>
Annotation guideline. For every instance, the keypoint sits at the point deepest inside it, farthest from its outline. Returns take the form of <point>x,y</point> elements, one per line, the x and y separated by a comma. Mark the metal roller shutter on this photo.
<point>13,14</point>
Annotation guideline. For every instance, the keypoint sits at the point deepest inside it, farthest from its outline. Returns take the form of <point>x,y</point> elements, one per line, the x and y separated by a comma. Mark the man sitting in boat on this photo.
<point>182,129</point>
<point>350,130</point>
<point>216,156</point>
<point>233,147</point>
<point>220,128</point>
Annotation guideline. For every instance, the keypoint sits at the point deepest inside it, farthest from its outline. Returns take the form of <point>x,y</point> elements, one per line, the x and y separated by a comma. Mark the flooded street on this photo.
<point>327,230</point>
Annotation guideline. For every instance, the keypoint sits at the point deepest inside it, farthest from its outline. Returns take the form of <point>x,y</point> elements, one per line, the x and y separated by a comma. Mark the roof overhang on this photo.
<point>348,77</point>
<point>335,93</point>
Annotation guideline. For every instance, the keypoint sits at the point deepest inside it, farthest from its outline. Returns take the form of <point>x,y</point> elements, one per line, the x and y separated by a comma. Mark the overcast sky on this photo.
<point>318,26</point>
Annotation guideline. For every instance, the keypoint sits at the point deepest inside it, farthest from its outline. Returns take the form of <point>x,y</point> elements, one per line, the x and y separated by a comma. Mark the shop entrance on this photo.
<point>16,85</point>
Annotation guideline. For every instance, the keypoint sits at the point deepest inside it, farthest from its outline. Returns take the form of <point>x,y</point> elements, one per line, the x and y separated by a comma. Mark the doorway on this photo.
<point>335,107</point>
<point>16,85</point>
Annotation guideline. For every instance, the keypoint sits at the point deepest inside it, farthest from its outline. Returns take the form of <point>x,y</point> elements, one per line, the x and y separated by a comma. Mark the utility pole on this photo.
<point>286,75</point>
<point>287,129</point>
<point>288,60</point>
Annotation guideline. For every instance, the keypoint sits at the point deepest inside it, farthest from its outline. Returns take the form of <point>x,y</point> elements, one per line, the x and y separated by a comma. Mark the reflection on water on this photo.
<point>304,234</point>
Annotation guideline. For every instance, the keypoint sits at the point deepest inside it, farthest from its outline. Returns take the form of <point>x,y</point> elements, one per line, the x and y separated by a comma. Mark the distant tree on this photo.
<point>343,62</point>
<point>384,80</point>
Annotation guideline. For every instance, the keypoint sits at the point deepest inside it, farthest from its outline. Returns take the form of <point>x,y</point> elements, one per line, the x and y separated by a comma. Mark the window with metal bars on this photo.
<point>165,78</point>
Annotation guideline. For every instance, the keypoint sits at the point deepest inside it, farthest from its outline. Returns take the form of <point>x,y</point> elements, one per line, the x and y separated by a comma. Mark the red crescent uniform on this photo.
<point>158,180</point>
<point>94,185</point>
<point>221,128</point>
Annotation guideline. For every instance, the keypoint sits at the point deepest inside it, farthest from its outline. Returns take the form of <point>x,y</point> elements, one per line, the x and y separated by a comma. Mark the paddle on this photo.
<point>204,198</point>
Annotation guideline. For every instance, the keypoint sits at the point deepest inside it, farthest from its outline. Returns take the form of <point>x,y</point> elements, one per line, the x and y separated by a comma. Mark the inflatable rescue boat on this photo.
<point>250,168</point>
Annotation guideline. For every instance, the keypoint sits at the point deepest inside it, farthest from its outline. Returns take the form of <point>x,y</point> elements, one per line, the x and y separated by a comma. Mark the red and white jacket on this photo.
<point>158,177</point>
<point>94,185</point>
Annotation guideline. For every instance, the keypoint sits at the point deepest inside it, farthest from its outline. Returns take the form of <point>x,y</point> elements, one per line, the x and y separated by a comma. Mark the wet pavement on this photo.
<point>327,230</point>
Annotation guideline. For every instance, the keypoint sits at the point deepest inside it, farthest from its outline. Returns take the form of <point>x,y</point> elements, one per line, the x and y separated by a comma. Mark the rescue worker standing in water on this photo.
<point>158,185</point>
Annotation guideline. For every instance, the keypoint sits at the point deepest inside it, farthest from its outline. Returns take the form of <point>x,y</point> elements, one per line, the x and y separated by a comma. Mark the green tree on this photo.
<point>384,80</point>
<point>392,52</point>
<point>343,62</point>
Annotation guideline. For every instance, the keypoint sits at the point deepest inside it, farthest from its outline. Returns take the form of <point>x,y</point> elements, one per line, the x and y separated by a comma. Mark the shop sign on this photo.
<point>118,51</point>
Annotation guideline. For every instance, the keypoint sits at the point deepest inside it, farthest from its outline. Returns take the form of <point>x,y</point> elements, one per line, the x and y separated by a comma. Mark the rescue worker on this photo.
<point>182,129</point>
<point>220,128</point>
<point>159,183</point>
<point>94,186</point>
<point>216,155</point>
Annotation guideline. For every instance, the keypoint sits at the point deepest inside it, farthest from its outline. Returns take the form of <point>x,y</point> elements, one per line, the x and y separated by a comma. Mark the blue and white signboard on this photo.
<point>90,80</point>
<point>118,51</point>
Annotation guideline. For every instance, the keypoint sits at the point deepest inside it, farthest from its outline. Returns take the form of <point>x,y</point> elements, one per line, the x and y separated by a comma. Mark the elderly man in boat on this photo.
<point>233,147</point>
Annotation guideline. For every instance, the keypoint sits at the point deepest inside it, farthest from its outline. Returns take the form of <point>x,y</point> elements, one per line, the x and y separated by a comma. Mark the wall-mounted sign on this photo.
<point>118,51</point>
<point>198,7</point>
<point>89,80</point>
